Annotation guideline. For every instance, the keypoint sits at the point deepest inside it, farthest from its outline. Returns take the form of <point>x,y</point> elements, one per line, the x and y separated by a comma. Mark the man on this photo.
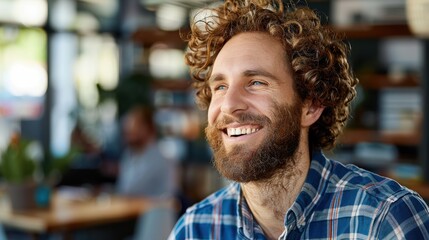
<point>143,170</point>
<point>278,86</point>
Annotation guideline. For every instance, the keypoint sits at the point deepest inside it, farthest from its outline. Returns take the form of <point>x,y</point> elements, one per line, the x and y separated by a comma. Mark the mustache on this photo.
<point>242,118</point>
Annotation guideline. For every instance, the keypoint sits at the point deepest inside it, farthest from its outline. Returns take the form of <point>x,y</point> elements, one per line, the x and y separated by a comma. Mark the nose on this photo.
<point>234,100</point>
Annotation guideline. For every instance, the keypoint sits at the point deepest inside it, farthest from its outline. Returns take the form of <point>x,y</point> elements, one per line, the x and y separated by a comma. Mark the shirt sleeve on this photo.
<point>178,231</point>
<point>406,218</point>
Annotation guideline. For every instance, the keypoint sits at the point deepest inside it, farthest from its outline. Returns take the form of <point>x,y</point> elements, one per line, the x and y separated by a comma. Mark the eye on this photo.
<point>257,83</point>
<point>219,87</point>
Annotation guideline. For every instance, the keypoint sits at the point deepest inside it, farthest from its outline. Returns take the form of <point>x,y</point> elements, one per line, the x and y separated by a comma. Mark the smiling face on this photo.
<point>254,115</point>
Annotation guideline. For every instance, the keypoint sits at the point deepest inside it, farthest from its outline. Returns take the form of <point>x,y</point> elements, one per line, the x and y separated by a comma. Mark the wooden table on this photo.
<point>66,215</point>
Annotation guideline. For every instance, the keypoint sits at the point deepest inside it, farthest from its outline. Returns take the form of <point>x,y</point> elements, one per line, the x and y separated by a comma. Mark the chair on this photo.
<point>156,224</point>
<point>2,234</point>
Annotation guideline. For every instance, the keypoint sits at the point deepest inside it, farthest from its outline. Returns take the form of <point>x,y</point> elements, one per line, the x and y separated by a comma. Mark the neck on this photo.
<point>270,199</point>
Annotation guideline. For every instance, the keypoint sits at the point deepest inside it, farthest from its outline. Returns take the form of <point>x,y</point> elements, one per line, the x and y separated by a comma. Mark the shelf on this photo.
<point>354,136</point>
<point>175,107</point>
<point>149,36</point>
<point>173,85</point>
<point>374,31</point>
<point>380,81</point>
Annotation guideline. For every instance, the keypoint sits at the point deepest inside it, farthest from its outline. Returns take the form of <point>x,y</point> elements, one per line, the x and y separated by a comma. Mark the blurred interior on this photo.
<point>71,69</point>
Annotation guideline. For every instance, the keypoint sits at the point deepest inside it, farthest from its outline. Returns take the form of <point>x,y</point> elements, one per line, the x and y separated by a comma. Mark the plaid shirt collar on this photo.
<point>297,215</point>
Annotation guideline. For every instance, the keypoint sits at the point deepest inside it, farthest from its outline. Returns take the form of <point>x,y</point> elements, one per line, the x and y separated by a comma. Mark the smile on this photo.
<point>235,132</point>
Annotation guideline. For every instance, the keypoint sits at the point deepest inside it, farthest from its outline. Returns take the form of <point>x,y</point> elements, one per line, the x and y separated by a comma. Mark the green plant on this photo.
<point>16,165</point>
<point>53,167</point>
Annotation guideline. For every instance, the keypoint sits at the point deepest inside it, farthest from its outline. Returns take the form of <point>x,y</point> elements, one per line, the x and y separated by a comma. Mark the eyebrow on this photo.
<point>246,73</point>
<point>216,77</point>
<point>259,72</point>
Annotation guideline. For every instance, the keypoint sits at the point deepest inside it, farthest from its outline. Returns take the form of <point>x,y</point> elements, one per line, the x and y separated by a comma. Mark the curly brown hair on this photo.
<point>317,56</point>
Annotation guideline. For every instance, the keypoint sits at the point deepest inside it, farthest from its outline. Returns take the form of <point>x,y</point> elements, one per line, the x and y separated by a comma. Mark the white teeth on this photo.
<point>240,131</point>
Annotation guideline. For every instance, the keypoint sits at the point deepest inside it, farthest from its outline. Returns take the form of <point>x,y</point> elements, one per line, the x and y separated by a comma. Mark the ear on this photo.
<point>310,113</point>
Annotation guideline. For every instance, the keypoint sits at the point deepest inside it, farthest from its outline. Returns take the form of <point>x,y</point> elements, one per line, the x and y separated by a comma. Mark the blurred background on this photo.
<point>71,69</point>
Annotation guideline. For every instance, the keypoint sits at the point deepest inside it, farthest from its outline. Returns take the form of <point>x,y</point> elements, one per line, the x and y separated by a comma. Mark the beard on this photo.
<point>275,154</point>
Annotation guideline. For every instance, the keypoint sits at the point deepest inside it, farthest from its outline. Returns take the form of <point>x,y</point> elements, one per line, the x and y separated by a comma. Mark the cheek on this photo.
<point>210,116</point>
<point>212,113</point>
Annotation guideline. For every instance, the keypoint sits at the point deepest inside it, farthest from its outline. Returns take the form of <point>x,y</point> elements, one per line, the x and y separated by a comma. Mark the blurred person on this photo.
<point>278,86</point>
<point>84,168</point>
<point>143,169</point>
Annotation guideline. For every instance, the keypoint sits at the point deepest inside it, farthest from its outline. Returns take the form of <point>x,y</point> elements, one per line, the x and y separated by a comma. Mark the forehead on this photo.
<point>251,50</point>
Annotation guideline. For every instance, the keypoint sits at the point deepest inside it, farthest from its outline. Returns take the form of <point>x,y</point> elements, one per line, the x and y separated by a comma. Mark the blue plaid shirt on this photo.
<point>336,202</point>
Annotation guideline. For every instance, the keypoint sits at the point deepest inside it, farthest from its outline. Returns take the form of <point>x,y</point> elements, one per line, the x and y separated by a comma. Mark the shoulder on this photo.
<point>355,179</point>
<point>406,218</point>
<point>227,196</point>
<point>220,208</point>
<point>398,211</point>
<point>391,210</point>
